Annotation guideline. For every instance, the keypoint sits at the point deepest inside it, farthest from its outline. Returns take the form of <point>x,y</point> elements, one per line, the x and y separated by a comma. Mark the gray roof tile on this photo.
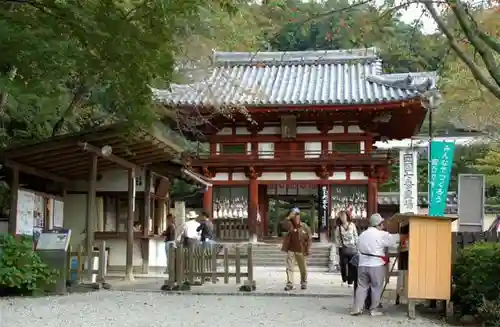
<point>295,78</point>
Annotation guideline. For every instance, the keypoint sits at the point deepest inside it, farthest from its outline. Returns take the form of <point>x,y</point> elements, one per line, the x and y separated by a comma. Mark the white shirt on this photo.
<point>374,241</point>
<point>189,229</point>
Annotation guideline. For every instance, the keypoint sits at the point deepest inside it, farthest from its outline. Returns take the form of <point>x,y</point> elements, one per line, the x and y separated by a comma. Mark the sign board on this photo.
<point>57,239</point>
<point>57,213</point>
<point>441,162</point>
<point>323,205</point>
<point>25,212</point>
<point>471,189</point>
<point>292,189</point>
<point>408,181</point>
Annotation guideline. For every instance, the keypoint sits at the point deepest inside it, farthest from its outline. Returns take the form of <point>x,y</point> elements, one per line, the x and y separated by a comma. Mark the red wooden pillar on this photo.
<point>253,206</point>
<point>207,200</point>
<point>372,196</point>
<point>263,208</point>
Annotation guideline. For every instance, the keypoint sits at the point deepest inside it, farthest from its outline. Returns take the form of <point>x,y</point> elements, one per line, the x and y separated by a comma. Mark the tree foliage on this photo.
<point>68,65</point>
<point>466,100</point>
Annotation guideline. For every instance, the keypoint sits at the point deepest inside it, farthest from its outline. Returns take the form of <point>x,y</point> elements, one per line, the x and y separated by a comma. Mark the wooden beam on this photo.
<point>91,214</point>
<point>34,171</point>
<point>14,188</point>
<point>111,157</point>
<point>129,268</point>
<point>58,143</point>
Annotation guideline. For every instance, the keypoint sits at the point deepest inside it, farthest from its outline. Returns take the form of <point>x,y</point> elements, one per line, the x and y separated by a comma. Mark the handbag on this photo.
<point>347,251</point>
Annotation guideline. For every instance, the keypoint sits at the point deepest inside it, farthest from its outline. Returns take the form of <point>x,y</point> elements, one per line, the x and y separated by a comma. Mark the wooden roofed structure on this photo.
<point>83,156</point>
<point>310,122</point>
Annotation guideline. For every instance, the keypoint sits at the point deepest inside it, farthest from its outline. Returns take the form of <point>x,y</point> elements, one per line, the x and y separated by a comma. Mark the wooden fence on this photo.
<point>232,229</point>
<point>80,256</point>
<point>461,240</point>
<point>201,264</point>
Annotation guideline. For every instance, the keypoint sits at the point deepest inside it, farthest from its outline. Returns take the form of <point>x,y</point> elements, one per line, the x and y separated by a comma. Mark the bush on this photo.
<point>476,278</point>
<point>22,272</point>
<point>490,313</point>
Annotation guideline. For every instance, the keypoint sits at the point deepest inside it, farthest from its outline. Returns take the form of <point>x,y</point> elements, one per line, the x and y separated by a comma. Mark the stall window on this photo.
<point>230,202</point>
<point>233,148</point>
<point>344,147</point>
<point>350,198</point>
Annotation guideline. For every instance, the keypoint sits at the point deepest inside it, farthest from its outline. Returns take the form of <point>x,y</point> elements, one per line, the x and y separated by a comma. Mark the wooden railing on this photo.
<point>196,265</point>
<point>232,229</point>
<point>78,272</point>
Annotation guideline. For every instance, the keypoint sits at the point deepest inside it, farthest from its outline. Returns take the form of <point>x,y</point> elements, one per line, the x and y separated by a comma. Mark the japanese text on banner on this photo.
<point>408,182</point>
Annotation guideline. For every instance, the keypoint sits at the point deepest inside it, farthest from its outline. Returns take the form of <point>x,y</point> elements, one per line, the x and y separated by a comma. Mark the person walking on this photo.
<point>169,235</point>
<point>346,239</point>
<point>297,245</point>
<point>206,229</point>
<point>190,236</point>
<point>372,262</point>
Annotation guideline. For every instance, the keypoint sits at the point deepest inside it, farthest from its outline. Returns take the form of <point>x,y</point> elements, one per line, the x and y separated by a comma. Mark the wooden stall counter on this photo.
<point>425,255</point>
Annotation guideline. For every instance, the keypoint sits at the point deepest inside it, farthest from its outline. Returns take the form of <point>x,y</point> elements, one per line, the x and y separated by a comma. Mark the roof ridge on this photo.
<point>294,57</point>
<point>407,83</point>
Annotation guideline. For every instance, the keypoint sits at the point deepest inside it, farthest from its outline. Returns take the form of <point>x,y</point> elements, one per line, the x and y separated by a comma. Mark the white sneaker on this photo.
<point>376,313</point>
<point>356,313</point>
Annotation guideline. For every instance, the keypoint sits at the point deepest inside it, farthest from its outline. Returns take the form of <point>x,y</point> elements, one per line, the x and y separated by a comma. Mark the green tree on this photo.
<point>66,65</point>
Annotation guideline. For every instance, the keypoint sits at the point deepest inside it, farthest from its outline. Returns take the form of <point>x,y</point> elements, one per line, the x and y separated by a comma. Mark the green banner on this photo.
<point>439,177</point>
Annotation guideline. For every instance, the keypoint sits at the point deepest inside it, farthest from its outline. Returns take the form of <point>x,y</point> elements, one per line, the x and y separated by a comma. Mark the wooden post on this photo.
<point>101,276</point>
<point>79,270</point>
<point>91,213</point>
<point>226,265</point>
<point>372,197</point>
<point>146,221</point>
<point>14,189</point>
<point>238,265</point>
<point>207,200</point>
<point>250,264</point>
<point>129,264</point>
<point>253,208</point>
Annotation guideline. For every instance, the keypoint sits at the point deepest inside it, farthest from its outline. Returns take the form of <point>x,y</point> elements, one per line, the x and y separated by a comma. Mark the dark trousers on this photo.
<point>368,300</point>
<point>348,272</point>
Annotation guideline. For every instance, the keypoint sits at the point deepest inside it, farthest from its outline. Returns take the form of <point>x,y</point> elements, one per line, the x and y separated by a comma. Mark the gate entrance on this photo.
<point>308,198</point>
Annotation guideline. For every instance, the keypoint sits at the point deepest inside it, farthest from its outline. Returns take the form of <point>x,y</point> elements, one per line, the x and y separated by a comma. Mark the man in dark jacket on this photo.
<point>207,230</point>
<point>297,245</point>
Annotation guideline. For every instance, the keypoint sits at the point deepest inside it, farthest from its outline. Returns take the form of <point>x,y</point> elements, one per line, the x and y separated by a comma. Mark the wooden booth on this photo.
<point>425,255</point>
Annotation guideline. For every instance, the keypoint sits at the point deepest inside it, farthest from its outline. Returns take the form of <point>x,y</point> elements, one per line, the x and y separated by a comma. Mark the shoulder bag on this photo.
<point>347,251</point>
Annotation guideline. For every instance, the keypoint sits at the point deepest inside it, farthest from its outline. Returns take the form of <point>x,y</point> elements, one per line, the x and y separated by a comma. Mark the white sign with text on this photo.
<point>408,181</point>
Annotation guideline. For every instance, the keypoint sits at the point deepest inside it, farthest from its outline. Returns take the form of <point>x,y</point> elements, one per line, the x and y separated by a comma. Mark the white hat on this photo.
<point>296,210</point>
<point>376,219</point>
<point>191,215</point>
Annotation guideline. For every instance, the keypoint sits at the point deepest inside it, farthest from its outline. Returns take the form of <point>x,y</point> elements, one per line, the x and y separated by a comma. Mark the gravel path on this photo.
<point>123,309</point>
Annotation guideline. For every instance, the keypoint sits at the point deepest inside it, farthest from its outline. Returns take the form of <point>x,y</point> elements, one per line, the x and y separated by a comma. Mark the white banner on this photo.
<point>408,181</point>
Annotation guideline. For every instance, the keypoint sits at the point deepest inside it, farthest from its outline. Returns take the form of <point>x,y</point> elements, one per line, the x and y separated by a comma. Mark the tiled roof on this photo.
<point>295,78</point>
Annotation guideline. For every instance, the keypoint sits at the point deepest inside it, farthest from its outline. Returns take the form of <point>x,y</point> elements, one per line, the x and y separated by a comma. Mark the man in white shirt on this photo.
<point>189,230</point>
<point>372,244</point>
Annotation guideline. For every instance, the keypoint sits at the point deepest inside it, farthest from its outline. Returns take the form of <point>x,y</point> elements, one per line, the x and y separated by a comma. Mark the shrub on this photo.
<point>476,277</point>
<point>490,313</point>
<point>22,272</point>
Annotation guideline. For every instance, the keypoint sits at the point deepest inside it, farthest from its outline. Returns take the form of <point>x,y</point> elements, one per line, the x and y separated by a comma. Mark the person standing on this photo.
<point>372,263</point>
<point>297,245</point>
<point>169,235</point>
<point>189,231</point>
<point>206,229</point>
<point>346,239</point>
